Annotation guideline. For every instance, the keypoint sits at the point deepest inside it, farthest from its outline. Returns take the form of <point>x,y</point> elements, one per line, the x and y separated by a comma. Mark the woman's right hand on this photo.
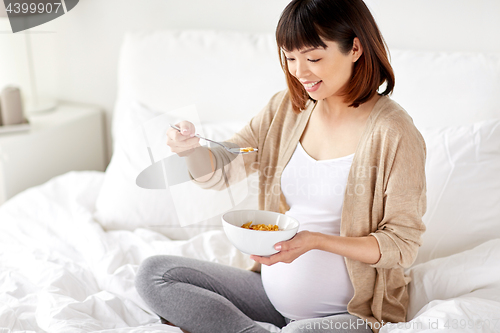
<point>183,143</point>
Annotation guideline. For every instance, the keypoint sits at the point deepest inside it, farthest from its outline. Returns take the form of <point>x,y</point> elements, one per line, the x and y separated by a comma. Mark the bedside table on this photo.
<point>71,137</point>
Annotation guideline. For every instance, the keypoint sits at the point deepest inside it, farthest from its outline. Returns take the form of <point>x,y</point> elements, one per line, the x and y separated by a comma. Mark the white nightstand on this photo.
<point>68,138</point>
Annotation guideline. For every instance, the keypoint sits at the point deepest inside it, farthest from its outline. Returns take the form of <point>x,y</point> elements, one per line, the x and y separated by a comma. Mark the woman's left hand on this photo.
<point>290,250</point>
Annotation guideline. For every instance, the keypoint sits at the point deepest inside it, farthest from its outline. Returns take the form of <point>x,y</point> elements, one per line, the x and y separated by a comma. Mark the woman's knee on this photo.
<point>150,273</point>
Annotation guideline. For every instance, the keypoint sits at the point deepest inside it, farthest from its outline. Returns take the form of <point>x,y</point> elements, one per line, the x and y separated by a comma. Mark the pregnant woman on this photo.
<point>336,153</point>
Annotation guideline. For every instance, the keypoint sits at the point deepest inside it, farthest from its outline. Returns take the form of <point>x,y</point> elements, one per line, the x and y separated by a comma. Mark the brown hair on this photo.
<point>304,22</point>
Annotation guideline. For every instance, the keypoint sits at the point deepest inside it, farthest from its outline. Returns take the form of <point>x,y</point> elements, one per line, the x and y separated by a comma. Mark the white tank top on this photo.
<point>315,284</point>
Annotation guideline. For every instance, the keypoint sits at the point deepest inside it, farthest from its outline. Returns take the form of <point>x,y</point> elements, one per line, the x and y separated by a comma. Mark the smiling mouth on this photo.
<point>310,85</point>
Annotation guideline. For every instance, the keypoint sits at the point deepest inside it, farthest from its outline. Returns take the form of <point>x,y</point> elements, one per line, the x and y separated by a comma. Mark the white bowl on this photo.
<point>258,242</point>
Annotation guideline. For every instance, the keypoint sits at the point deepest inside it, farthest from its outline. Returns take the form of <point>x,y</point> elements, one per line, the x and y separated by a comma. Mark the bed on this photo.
<point>70,248</point>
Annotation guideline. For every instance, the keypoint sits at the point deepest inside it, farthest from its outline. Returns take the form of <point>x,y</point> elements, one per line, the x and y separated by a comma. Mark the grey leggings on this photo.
<point>200,296</point>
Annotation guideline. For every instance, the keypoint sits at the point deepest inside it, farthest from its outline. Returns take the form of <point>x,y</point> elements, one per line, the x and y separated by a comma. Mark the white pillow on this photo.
<point>227,75</point>
<point>472,273</point>
<point>122,204</point>
<point>447,89</point>
<point>463,188</point>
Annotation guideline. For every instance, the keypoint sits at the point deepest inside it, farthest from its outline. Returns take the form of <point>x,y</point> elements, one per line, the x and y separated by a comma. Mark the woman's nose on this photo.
<point>301,69</point>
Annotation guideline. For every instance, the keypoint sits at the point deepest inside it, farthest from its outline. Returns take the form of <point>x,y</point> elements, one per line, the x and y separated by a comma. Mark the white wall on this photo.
<point>76,55</point>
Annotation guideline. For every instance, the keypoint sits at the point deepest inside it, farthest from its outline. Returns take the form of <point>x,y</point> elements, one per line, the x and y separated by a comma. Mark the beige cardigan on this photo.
<point>385,194</point>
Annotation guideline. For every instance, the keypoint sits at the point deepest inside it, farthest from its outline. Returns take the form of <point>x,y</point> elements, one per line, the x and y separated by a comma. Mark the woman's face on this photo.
<point>323,71</point>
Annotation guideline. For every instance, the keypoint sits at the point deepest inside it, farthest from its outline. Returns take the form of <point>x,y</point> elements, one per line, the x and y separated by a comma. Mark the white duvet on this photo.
<point>60,272</point>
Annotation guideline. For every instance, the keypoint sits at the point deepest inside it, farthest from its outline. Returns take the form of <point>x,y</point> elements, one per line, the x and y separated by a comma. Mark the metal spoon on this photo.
<point>229,149</point>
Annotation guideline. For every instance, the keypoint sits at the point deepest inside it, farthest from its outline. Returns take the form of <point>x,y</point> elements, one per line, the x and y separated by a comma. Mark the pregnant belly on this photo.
<point>314,285</point>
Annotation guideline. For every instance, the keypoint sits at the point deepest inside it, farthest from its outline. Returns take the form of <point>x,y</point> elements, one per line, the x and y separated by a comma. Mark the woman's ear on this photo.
<point>357,49</point>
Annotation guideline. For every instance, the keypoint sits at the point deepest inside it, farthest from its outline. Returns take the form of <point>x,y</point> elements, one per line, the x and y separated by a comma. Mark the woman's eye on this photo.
<point>310,60</point>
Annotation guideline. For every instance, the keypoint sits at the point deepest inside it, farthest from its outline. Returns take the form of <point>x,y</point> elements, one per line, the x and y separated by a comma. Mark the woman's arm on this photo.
<point>364,249</point>
<point>236,167</point>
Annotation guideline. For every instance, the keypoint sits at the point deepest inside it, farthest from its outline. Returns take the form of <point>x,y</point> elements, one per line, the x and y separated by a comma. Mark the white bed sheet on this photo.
<point>61,272</point>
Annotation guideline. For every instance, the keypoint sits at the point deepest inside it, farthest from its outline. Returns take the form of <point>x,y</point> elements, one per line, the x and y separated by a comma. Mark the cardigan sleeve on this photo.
<point>405,202</point>
<point>238,167</point>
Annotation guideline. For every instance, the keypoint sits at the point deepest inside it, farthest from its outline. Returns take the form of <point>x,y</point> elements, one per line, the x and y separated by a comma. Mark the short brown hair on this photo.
<point>304,22</point>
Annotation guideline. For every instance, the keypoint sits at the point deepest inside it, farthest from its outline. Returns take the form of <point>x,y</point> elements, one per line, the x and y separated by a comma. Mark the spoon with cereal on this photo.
<point>234,150</point>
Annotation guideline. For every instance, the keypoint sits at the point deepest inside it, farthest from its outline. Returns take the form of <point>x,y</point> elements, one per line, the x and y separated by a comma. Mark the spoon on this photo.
<point>229,149</point>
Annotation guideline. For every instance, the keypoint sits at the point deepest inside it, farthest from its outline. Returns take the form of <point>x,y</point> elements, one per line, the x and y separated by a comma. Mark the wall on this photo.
<point>76,55</point>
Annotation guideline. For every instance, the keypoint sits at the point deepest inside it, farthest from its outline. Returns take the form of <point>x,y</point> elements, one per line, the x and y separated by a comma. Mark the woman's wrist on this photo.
<point>316,240</point>
<point>200,163</point>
